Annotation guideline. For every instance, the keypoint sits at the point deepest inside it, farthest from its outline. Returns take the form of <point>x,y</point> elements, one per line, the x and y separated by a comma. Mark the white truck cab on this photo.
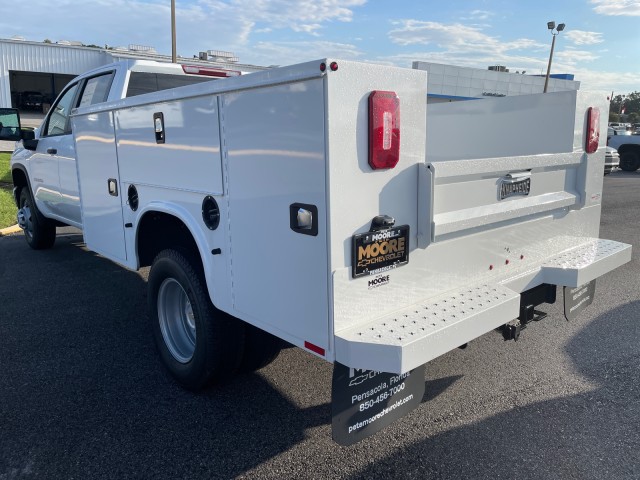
<point>47,162</point>
<point>325,205</point>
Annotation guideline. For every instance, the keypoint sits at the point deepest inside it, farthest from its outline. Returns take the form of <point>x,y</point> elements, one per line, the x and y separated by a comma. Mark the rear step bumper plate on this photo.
<point>587,262</point>
<point>408,338</point>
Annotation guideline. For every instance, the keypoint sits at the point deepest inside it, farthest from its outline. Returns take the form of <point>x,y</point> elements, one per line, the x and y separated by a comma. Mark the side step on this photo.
<point>586,262</point>
<point>406,339</point>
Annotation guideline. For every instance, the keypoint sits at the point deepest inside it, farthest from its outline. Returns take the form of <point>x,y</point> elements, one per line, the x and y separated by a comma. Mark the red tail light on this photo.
<point>593,132</point>
<point>384,129</point>
<point>209,72</point>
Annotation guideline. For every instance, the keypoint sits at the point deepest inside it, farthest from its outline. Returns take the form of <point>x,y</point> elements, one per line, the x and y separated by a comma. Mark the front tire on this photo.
<point>629,161</point>
<point>199,344</point>
<point>39,232</point>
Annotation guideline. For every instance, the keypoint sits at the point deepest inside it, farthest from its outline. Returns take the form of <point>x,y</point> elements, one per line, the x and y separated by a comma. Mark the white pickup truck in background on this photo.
<point>324,204</point>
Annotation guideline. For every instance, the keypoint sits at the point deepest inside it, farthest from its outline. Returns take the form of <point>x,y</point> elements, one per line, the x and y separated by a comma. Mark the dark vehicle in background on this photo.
<point>31,101</point>
<point>628,147</point>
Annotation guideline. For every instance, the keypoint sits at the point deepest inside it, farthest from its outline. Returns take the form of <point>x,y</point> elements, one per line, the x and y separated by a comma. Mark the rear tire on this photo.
<point>199,344</point>
<point>629,161</point>
<point>39,232</point>
<point>260,349</point>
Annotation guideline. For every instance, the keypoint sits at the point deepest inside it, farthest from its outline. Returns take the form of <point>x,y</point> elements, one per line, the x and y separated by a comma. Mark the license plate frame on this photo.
<point>378,251</point>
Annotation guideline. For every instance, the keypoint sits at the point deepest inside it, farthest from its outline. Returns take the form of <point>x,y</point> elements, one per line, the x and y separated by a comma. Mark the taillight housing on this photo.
<point>384,129</point>
<point>593,130</point>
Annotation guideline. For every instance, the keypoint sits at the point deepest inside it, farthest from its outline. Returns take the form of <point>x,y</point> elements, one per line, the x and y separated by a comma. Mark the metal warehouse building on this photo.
<point>33,73</point>
<point>448,83</point>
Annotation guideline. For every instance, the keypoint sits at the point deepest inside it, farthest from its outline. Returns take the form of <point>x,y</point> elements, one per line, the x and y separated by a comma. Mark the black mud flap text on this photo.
<point>577,299</point>
<point>366,401</point>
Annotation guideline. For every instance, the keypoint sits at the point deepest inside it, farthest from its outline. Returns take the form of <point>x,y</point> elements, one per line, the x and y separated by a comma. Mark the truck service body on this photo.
<point>325,205</point>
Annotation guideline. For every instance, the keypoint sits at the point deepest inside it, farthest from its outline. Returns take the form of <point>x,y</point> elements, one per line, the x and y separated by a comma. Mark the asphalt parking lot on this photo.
<point>83,395</point>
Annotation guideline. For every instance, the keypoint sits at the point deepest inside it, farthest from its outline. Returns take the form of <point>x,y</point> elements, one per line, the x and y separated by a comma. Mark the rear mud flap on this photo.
<point>577,299</point>
<point>363,402</point>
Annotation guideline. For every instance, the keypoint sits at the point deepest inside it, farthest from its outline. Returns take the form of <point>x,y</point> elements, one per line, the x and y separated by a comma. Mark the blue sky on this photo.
<point>600,45</point>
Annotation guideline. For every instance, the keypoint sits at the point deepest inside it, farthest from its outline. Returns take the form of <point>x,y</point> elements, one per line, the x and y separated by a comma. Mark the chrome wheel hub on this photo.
<point>177,321</point>
<point>25,221</point>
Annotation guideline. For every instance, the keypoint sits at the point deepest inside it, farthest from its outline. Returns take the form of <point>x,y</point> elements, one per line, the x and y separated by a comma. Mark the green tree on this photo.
<point>630,102</point>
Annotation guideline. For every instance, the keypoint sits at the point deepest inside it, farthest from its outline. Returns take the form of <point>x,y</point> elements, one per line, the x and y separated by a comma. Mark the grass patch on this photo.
<point>7,208</point>
<point>5,171</point>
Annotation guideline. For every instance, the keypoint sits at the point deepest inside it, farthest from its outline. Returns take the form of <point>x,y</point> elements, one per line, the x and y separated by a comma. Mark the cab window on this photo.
<point>146,82</point>
<point>58,123</point>
<point>96,90</point>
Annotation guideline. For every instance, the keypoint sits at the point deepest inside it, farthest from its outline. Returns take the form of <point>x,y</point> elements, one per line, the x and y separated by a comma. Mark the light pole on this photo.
<point>554,31</point>
<point>173,31</point>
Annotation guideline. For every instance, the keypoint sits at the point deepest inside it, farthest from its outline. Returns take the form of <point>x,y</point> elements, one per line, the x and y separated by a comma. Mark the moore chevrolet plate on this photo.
<point>376,252</point>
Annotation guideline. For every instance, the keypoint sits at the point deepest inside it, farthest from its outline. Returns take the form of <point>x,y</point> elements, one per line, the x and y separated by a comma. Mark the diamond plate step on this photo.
<point>582,264</point>
<point>406,339</point>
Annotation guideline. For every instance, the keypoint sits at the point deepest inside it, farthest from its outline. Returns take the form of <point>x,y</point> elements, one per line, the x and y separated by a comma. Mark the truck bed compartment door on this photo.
<point>99,180</point>
<point>276,169</point>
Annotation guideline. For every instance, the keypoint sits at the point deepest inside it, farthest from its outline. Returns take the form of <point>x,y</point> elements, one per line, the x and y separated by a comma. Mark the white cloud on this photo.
<point>629,8</point>
<point>311,29</point>
<point>288,53</point>
<point>455,38</point>
<point>599,80</point>
<point>206,24</point>
<point>572,57</point>
<point>462,45</point>
<point>412,32</point>
<point>580,37</point>
<point>479,15</point>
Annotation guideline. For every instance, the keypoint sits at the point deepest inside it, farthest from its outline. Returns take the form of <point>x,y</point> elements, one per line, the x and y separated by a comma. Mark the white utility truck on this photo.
<point>325,205</point>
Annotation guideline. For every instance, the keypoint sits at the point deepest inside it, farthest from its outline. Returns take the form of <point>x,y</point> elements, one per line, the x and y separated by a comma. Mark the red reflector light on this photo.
<point>209,72</point>
<point>384,129</point>
<point>593,130</point>
<point>314,348</point>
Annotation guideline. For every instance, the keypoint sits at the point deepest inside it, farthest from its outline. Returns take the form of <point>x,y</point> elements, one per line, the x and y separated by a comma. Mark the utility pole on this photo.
<point>173,31</point>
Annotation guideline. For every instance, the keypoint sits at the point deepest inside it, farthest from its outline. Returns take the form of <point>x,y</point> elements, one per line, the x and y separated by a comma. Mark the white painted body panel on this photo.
<point>190,158</point>
<point>262,142</point>
<point>275,157</point>
<point>101,212</point>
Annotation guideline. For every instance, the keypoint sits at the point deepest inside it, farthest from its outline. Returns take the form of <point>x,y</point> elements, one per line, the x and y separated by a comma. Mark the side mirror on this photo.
<point>29,140</point>
<point>10,124</point>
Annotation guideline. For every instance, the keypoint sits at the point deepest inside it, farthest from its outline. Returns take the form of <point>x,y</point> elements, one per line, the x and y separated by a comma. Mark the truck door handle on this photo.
<point>303,218</point>
<point>112,186</point>
<point>52,151</point>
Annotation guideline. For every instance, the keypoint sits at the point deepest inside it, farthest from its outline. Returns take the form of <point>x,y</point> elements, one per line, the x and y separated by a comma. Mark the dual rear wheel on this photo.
<point>199,344</point>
